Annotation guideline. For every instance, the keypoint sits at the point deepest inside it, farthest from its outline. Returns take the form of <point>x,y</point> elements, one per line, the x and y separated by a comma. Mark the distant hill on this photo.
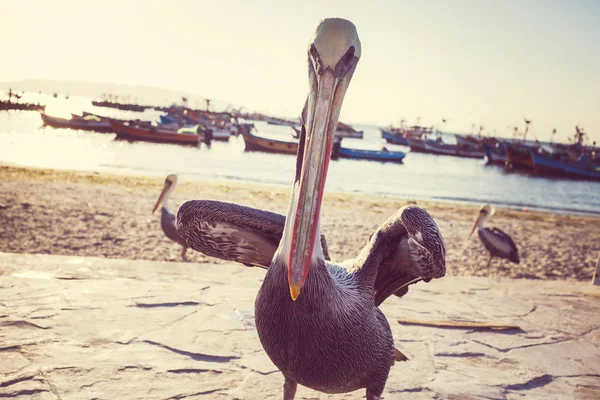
<point>95,90</point>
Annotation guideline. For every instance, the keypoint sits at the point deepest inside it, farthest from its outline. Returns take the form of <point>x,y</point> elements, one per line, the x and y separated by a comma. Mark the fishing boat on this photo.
<point>583,168</point>
<point>87,123</point>
<point>280,121</point>
<point>518,156</point>
<point>155,134</point>
<point>495,155</point>
<point>9,105</point>
<point>430,146</point>
<point>393,138</point>
<point>547,163</point>
<point>346,131</point>
<point>374,155</point>
<point>259,143</point>
<point>120,106</point>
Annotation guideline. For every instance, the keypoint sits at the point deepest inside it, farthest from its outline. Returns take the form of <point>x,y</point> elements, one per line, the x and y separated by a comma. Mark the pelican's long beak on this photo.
<point>327,90</point>
<point>475,224</point>
<point>162,195</point>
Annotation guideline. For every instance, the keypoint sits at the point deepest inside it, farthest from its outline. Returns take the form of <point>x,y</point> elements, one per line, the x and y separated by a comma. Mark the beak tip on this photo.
<point>294,291</point>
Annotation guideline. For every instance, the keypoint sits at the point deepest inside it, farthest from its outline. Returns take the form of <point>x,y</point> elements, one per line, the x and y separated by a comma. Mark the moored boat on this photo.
<point>374,155</point>
<point>495,155</point>
<point>518,156</point>
<point>87,123</point>
<point>430,146</point>
<point>155,134</point>
<point>259,143</point>
<point>9,105</point>
<point>393,138</point>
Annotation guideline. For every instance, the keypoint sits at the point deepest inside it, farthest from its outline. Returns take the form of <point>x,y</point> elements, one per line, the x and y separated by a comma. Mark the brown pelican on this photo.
<point>167,220</point>
<point>497,243</point>
<point>319,322</point>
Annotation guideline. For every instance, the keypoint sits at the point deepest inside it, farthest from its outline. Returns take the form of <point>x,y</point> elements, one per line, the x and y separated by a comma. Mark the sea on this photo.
<point>25,142</point>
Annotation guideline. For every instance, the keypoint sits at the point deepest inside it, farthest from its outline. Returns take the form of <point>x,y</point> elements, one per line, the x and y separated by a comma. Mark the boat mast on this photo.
<point>527,122</point>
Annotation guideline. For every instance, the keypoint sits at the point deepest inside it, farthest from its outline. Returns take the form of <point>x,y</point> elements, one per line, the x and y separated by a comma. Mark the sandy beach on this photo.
<point>106,215</point>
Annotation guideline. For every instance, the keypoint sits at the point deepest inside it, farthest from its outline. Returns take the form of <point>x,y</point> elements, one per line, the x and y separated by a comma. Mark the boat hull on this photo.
<point>546,164</point>
<point>257,143</point>
<point>79,124</point>
<point>393,138</point>
<point>5,105</point>
<point>518,158</point>
<point>430,147</point>
<point>154,135</point>
<point>374,155</point>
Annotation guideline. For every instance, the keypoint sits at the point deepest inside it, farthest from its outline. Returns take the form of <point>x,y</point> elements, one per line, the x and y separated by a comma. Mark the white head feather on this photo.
<point>333,37</point>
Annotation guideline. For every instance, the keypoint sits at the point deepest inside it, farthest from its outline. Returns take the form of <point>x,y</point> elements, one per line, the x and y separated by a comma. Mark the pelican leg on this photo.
<point>289,389</point>
<point>372,396</point>
<point>183,250</point>
<point>489,263</point>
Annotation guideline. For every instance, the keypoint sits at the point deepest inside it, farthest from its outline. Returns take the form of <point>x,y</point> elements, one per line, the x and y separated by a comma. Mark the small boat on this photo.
<point>220,134</point>
<point>281,121</point>
<point>350,134</point>
<point>393,138</point>
<point>346,131</point>
<point>375,155</point>
<point>9,105</point>
<point>157,135</point>
<point>120,106</point>
<point>87,123</point>
<point>495,155</point>
<point>430,146</point>
<point>259,143</point>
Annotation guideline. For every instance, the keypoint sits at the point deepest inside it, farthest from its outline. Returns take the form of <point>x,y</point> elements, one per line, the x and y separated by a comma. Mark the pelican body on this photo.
<point>319,322</point>
<point>167,219</point>
<point>497,243</point>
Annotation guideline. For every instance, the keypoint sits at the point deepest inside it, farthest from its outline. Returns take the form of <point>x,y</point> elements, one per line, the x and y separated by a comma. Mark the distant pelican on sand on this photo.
<point>318,321</point>
<point>497,243</point>
<point>167,220</point>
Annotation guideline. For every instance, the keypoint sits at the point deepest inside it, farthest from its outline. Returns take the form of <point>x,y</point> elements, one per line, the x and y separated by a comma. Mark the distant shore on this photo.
<point>109,215</point>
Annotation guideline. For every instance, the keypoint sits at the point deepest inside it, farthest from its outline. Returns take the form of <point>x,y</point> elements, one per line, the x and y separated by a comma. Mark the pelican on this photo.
<point>496,242</point>
<point>167,220</point>
<point>318,321</point>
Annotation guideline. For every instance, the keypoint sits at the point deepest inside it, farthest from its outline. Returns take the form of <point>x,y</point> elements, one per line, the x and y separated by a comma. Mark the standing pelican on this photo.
<point>497,243</point>
<point>319,322</point>
<point>167,220</point>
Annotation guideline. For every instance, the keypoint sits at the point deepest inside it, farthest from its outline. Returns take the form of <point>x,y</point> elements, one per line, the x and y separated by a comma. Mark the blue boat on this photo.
<point>375,155</point>
<point>546,163</point>
<point>168,119</point>
<point>583,169</point>
<point>393,138</point>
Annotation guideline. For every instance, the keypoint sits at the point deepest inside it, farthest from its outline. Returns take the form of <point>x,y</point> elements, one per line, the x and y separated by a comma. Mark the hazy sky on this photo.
<point>488,62</point>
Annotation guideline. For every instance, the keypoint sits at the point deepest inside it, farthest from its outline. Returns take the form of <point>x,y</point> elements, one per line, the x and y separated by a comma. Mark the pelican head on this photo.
<point>168,187</point>
<point>485,212</point>
<point>333,53</point>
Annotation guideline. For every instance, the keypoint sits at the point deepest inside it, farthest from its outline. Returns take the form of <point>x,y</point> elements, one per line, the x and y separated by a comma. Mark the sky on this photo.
<point>488,63</point>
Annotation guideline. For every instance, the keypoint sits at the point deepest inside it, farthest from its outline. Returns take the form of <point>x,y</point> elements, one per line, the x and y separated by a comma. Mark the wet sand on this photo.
<point>107,215</point>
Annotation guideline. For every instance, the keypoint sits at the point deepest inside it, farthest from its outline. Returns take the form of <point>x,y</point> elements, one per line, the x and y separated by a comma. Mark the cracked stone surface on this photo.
<point>91,328</point>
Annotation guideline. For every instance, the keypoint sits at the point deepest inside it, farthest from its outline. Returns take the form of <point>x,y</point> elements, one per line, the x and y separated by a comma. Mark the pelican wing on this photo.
<point>232,232</point>
<point>407,248</point>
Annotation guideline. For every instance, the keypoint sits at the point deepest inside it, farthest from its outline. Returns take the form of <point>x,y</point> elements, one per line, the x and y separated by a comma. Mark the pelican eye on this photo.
<point>346,63</point>
<point>316,58</point>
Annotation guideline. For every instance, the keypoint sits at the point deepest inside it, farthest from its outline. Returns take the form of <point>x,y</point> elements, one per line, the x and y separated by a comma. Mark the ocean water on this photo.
<point>23,141</point>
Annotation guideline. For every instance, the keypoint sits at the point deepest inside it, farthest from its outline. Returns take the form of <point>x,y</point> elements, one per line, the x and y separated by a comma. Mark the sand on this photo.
<point>108,215</point>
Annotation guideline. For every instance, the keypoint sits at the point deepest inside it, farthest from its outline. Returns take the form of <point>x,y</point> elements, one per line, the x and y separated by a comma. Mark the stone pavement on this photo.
<point>92,328</point>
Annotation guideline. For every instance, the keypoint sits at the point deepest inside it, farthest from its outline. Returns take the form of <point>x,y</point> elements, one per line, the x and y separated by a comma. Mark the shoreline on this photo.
<point>220,182</point>
<point>106,214</point>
